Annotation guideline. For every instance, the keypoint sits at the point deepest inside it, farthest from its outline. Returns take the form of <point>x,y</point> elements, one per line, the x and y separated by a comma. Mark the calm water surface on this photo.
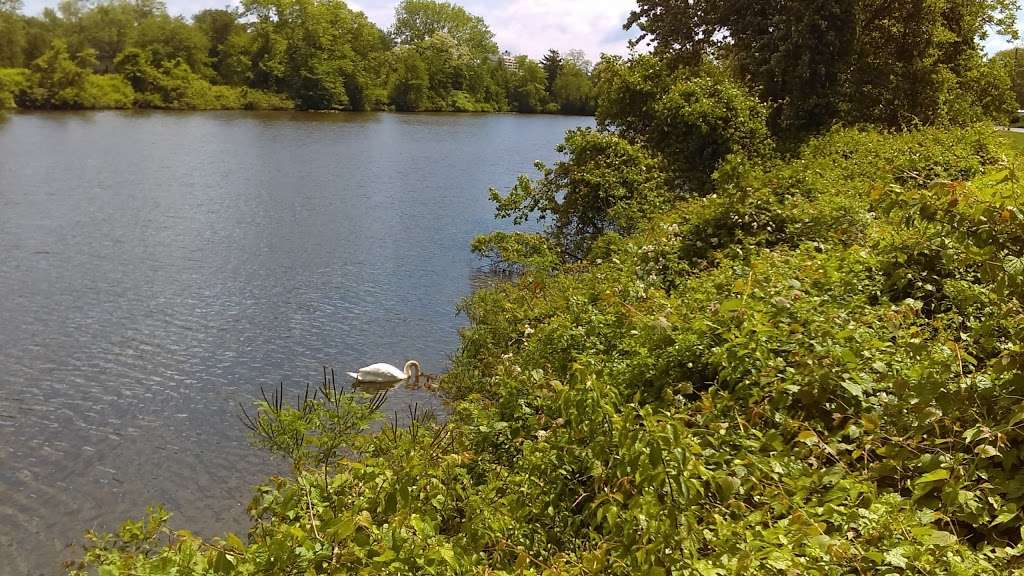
<point>157,268</point>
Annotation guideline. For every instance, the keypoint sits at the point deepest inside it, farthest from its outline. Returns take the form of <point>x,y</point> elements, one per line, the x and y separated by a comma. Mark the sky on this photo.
<point>521,26</point>
<point>528,27</point>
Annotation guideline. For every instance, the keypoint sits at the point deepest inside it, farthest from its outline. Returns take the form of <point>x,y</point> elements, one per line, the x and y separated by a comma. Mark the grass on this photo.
<point>1015,138</point>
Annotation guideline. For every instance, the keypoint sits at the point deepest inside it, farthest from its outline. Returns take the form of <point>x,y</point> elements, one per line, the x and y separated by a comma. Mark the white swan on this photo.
<point>386,372</point>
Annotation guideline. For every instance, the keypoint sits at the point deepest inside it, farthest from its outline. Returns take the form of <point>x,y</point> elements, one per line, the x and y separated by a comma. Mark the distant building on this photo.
<point>511,62</point>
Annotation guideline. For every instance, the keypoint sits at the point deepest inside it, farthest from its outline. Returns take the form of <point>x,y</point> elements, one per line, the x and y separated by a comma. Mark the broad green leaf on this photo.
<point>730,305</point>
<point>933,476</point>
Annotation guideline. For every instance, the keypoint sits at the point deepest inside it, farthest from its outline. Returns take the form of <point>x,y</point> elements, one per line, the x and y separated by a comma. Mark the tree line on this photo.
<point>276,54</point>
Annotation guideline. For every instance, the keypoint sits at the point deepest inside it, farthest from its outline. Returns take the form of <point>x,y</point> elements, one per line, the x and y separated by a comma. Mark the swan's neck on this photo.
<point>410,366</point>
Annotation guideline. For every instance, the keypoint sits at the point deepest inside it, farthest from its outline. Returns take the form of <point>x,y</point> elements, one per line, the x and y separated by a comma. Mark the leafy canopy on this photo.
<point>818,62</point>
<point>419,20</point>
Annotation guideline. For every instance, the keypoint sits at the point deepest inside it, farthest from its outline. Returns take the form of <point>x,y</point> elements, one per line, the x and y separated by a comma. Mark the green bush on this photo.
<point>605,185</point>
<point>460,101</point>
<point>107,91</point>
<point>175,86</point>
<point>515,252</point>
<point>12,81</point>
<point>695,119</point>
<point>55,80</point>
<point>263,100</point>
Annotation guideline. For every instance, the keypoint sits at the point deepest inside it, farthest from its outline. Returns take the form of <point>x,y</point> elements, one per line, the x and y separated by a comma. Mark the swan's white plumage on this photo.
<point>382,372</point>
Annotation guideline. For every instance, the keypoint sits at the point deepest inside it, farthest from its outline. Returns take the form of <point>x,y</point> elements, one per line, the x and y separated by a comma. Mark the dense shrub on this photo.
<point>253,99</point>
<point>106,91</point>
<point>605,185</point>
<point>57,81</point>
<point>12,81</point>
<point>173,85</point>
<point>515,252</point>
<point>695,119</point>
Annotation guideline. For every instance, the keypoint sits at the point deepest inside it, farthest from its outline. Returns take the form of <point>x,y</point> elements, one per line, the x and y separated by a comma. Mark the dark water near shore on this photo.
<point>157,268</point>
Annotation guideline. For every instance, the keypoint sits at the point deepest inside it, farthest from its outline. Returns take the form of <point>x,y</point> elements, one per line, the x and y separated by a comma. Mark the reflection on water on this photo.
<point>375,387</point>
<point>156,269</point>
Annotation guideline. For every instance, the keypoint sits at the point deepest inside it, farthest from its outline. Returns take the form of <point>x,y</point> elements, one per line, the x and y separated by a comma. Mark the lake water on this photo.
<point>156,269</point>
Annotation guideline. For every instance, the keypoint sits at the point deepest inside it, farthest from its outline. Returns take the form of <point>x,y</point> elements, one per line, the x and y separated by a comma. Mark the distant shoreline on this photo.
<point>293,111</point>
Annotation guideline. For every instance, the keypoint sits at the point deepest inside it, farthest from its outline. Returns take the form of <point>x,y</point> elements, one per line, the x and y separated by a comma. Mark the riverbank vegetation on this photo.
<point>758,336</point>
<point>275,54</point>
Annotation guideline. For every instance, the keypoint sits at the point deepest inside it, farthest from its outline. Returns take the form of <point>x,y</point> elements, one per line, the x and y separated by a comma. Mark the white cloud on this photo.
<point>533,26</point>
<point>995,44</point>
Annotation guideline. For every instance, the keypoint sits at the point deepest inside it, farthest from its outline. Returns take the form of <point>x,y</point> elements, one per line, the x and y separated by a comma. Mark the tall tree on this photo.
<point>418,20</point>
<point>579,58</point>
<point>410,84</point>
<point>884,61</point>
<point>573,90</point>
<point>1012,61</point>
<point>320,52</point>
<point>107,28</point>
<point>227,42</point>
<point>168,39</point>
<point>552,64</point>
<point>13,39</point>
<point>529,87</point>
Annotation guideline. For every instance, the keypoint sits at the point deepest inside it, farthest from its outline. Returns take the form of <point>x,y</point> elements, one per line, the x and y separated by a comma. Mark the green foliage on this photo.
<point>174,86</point>
<point>605,185</point>
<point>319,54</point>
<point>168,39</point>
<point>253,99</point>
<point>410,88</point>
<point>573,90</point>
<point>106,91</point>
<point>230,47</point>
<point>695,120</point>
<point>819,63</point>
<point>13,39</point>
<point>552,65</point>
<point>815,369</point>
<point>440,74</point>
<point>1011,63</point>
<point>528,90</point>
<point>315,432</point>
<point>513,253</point>
<point>57,81</point>
<point>12,81</point>
<point>420,20</point>
<point>1015,139</point>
